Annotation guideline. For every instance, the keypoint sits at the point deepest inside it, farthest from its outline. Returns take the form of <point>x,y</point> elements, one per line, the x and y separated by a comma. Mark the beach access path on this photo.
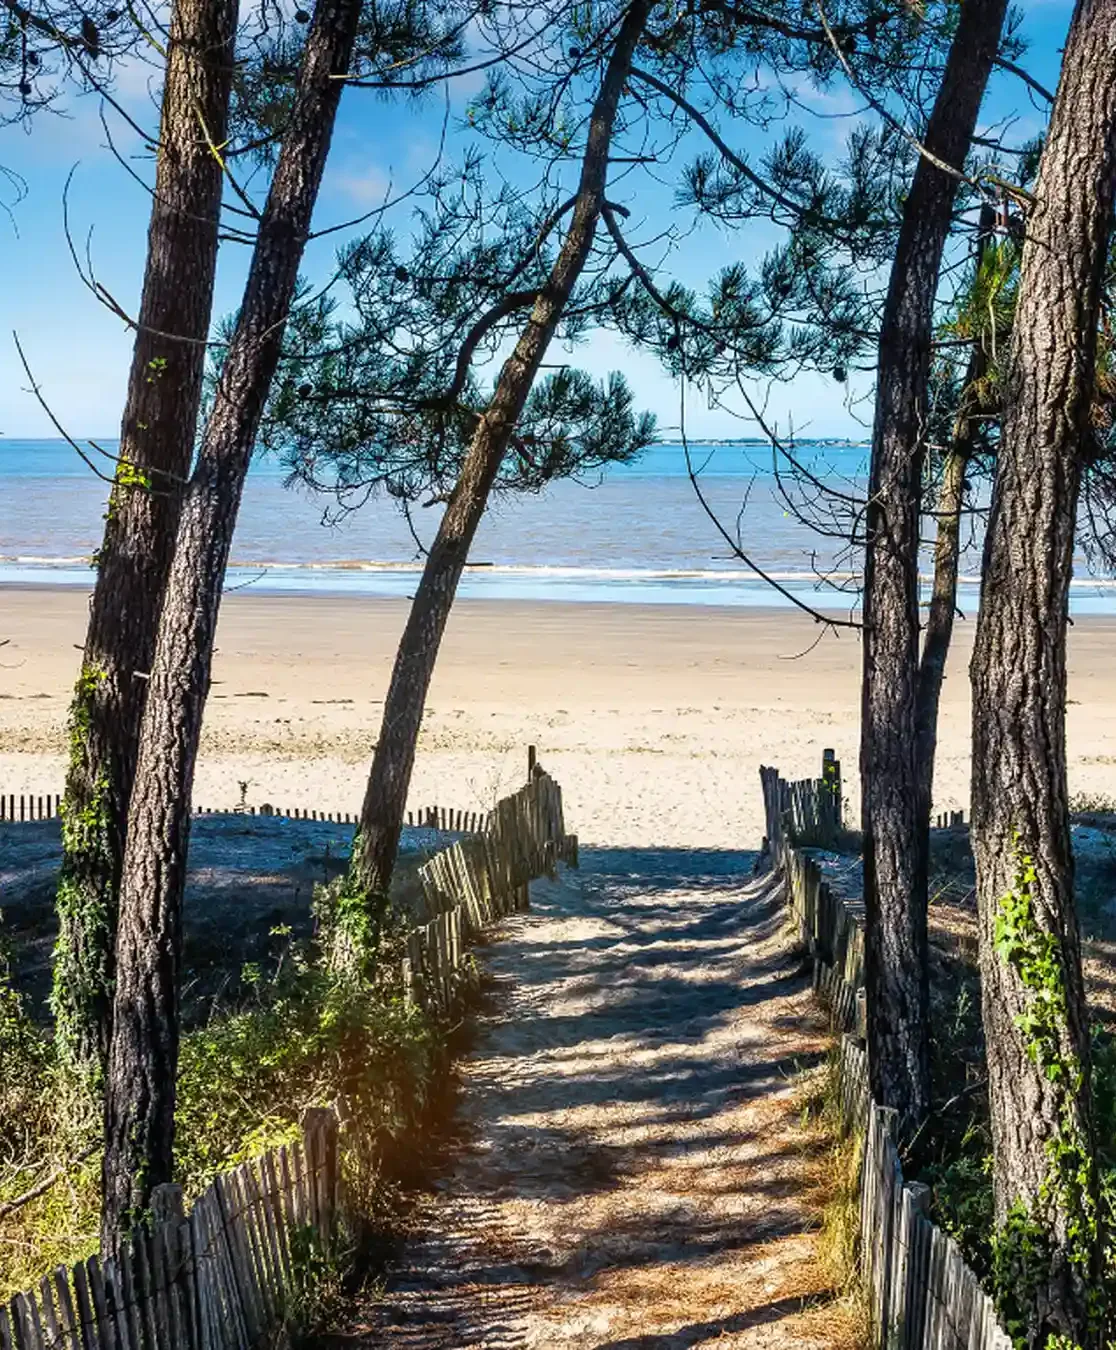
<point>633,1168</point>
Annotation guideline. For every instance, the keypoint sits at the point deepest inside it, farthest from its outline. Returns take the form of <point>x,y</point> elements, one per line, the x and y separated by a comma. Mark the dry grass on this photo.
<point>831,1176</point>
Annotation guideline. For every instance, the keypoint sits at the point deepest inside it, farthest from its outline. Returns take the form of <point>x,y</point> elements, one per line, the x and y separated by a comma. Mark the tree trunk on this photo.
<point>894,833</point>
<point>1033,1000</point>
<point>939,621</point>
<point>947,558</point>
<point>385,797</point>
<point>140,1095</point>
<point>156,445</point>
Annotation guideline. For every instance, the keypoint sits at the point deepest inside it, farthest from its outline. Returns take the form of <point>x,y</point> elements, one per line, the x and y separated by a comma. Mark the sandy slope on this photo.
<point>632,1173</point>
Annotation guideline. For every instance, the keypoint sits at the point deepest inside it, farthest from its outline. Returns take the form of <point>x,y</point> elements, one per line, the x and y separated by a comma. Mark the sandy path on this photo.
<point>632,1173</point>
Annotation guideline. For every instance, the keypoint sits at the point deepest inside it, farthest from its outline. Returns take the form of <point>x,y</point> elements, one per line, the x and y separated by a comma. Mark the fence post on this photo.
<point>887,1182</point>
<point>831,778</point>
<point>170,1246</point>
<point>319,1130</point>
<point>913,1308</point>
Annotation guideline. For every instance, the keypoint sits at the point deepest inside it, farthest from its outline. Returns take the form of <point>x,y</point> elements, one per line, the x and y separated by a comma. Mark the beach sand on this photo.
<point>655,720</point>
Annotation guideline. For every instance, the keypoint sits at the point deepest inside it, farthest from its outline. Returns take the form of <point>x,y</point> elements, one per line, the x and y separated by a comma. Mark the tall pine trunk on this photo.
<point>140,1089</point>
<point>385,797</point>
<point>938,635</point>
<point>1033,999</point>
<point>156,447</point>
<point>895,842</point>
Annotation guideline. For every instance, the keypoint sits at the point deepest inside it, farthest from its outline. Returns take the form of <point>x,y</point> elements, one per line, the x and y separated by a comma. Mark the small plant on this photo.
<point>317,1289</point>
<point>1092,804</point>
<point>961,1188</point>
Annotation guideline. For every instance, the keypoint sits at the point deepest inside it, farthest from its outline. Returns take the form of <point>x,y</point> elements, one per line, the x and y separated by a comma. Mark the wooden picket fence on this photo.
<point>808,812</point>
<point>921,1294</point>
<point>950,820</point>
<point>222,1278</point>
<point>449,820</point>
<point>481,879</point>
<point>226,1276</point>
<point>27,806</point>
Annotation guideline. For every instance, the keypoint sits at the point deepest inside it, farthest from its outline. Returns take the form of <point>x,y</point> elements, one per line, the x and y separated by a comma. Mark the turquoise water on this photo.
<point>636,534</point>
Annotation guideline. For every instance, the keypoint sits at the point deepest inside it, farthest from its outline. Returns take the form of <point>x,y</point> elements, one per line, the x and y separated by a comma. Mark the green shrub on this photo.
<point>307,1040</point>
<point>314,1030</point>
<point>48,1122</point>
<point>330,1026</point>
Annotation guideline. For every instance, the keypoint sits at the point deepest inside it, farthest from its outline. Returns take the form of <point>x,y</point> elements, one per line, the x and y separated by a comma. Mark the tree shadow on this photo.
<point>613,1117</point>
<point>698,1333</point>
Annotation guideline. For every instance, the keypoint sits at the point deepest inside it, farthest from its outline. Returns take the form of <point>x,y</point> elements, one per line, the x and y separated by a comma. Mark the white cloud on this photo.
<point>366,187</point>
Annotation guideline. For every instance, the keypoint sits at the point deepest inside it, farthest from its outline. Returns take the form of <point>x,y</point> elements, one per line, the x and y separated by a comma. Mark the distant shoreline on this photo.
<point>727,588</point>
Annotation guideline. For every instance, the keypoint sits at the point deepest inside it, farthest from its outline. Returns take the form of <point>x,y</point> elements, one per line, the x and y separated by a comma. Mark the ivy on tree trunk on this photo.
<point>156,445</point>
<point>1033,999</point>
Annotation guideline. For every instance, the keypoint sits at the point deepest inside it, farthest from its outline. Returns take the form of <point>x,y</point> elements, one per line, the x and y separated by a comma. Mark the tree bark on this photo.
<point>385,797</point>
<point>156,444</point>
<point>938,635</point>
<point>140,1093</point>
<point>894,832</point>
<point>1035,1017</point>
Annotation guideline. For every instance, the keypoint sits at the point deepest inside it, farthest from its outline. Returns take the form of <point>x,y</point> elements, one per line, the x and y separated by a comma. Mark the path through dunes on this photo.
<point>633,1172</point>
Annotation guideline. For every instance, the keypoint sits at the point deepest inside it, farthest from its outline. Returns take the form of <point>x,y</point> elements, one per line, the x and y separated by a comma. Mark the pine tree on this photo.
<point>1050,1229</point>
<point>156,445</point>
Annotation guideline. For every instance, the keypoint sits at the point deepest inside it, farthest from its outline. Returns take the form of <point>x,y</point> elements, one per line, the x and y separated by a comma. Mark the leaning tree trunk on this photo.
<point>385,797</point>
<point>156,445</point>
<point>894,836</point>
<point>938,635</point>
<point>140,1089</point>
<point>1033,999</point>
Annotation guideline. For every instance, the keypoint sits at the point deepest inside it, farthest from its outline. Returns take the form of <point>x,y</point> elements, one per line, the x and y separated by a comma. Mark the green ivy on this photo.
<point>82,975</point>
<point>354,924</point>
<point>1035,955</point>
<point>1023,1247</point>
<point>130,475</point>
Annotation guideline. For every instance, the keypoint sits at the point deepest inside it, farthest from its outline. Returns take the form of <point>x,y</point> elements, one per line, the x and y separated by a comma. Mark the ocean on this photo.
<point>636,534</point>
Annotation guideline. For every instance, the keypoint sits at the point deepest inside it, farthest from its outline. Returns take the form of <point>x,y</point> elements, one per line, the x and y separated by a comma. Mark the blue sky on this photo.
<point>80,352</point>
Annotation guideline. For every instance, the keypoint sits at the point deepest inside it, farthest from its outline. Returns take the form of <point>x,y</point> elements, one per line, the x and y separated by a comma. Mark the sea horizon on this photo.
<point>634,534</point>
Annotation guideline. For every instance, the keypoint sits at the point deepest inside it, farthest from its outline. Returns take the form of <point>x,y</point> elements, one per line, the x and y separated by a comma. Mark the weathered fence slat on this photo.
<point>69,1333</point>
<point>921,1294</point>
